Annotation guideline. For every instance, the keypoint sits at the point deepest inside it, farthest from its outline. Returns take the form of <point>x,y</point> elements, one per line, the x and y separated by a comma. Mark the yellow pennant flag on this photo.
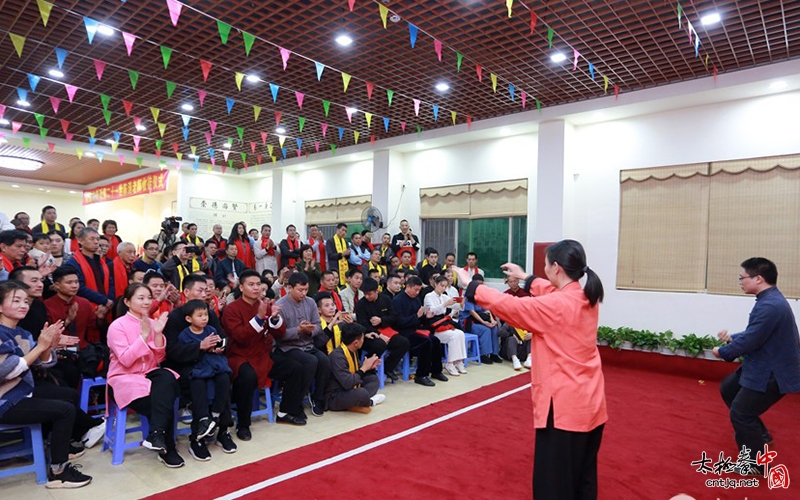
<point>494,82</point>
<point>453,116</point>
<point>155,112</point>
<point>384,10</point>
<point>345,80</point>
<point>256,112</point>
<point>114,146</point>
<point>79,152</point>
<point>210,168</point>
<point>368,116</point>
<point>356,134</point>
<point>605,84</point>
<point>281,139</point>
<point>92,131</point>
<point>18,41</point>
<point>161,128</point>
<point>44,10</point>
<point>274,160</point>
<point>194,149</point>
<point>239,78</point>
<point>179,155</point>
<point>508,6</point>
<point>270,147</point>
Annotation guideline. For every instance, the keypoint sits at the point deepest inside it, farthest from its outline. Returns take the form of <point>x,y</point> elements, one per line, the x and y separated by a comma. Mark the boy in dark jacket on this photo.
<point>352,387</point>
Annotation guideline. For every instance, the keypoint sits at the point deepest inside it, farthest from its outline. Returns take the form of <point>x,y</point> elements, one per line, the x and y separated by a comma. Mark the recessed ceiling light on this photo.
<point>252,78</point>
<point>442,87</point>
<point>109,141</point>
<point>73,192</point>
<point>89,154</point>
<point>187,107</point>
<point>41,189</point>
<point>105,30</point>
<point>46,190</point>
<point>709,19</point>
<point>15,185</point>
<point>344,40</point>
<point>558,57</point>
<point>141,128</point>
<point>280,130</point>
<point>17,163</point>
<point>55,73</point>
<point>22,103</point>
<point>193,156</point>
<point>779,85</point>
<point>226,146</point>
<point>3,121</point>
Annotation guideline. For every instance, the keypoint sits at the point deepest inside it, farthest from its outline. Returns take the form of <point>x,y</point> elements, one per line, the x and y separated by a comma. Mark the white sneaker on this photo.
<point>94,435</point>
<point>451,369</point>
<point>460,367</point>
<point>377,399</point>
<point>517,364</point>
<point>527,363</point>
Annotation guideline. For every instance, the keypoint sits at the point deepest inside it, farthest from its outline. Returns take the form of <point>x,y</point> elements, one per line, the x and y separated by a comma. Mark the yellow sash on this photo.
<point>341,247</point>
<point>193,265</point>
<point>379,267</point>
<point>520,334</point>
<point>455,277</point>
<point>46,228</point>
<point>352,359</point>
<point>337,336</point>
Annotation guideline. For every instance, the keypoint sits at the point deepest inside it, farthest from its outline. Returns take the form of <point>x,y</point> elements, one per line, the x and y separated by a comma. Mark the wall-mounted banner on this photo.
<point>144,184</point>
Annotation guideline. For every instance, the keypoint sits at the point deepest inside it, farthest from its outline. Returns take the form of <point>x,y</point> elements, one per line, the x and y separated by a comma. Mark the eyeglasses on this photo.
<point>742,278</point>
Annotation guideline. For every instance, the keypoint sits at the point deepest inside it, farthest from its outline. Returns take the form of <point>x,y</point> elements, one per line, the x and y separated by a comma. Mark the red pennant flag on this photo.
<point>469,122</point>
<point>715,74</point>
<point>51,146</point>
<point>128,105</point>
<point>208,137</point>
<point>480,72</point>
<point>437,46</point>
<point>245,165</point>
<point>533,21</point>
<point>299,152</point>
<point>224,168</point>
<point>299,96</point>
<point>372,139</point>
<point>278,115</point>
<point>174,11</point>
<point>259,157</point>
<point>352,4</point>
<point>213,127</point>
<point>263,139</point>
<point>137,121</point>
<point>616,92</point>
<point>71,89</point>
<point>370,88</point>
<point>55,102</point>
<point>65,126</point>
<point>158,154</point>
<point>253,147</point>
<point>206,66</point>
<point>175,147</point>
<point>99,67</point>
<point>201,94</point>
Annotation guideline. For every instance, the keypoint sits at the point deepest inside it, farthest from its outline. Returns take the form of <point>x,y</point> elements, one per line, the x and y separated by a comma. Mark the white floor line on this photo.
<point>343,456</point>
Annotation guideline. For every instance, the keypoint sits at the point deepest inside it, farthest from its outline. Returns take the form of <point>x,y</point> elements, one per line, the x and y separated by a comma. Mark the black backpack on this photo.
<point>93,360</point>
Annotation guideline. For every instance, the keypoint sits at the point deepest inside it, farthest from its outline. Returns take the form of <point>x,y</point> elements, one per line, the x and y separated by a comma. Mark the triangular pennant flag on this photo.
<point>161,128</point>
<point>278,115</point>
<point>283,152</point>
<point>134,76</point>
<point>253,146</point>
<point>224,30</point>
<point>170,89</point>
<point>459,59</point>
<point>270,148</point>
<point>264,138</point>
<point>51,146</point>
<point>91,28</point>
<point>185,131</point>
<point>350,112</point>
<point>326,105</point>
<point>196,164</point>
<point>61,56</point>
<point>22,94</point>
<point>341,133</point>
<point>412,34</point>
<point>389,95</point>
<point>175,147</point>
<point>248,42</point>
<point>159,142</point>
<point>71,89</point>
<point>114,146</point>
<point>352,4</point>
<point>194,150</point>
<point>508,6</point>
<point>301,122</point>
<point>368,117</point>
<point>370,88</point>
<point>316,146</point>
<point>166,53</point>
<point>33,81</point>
<point>524,98</point>
<point>230,141</point>
<point>299,96</point>
<point>324,129</point>
<point>55,102</point>
<point>419,129</point>
<point>180,157</point>
<point>539,105</point>
<point>494,82</point>
<point>79,153</point>
<point>453,115</point>
<point>99,67</point>
<point>185,119</point>
<point>206,67</point>
<point>403,126</point>
<point>240,133</point>
<point>229,104</point>
<point>479,70</point>
<point>128,105</point>
<point>139,161</point>
<point>201,95</point>
<point>244,157</point>
<point>299,142</point>
<point>39,118</point>
<point>208,137</point>
<point>384,12</point>
<point>213,126</point>
<point>99,155</point>
<point>605,84</point>
<point>333,146</point>
<point>19,43</point>
<point>92,142</point>
<point>285,53</point>
<point>15,126</point>
<point>616,92</point>
<point>372,139</point>
<point>226,153</point>
<point>136,140</point>
<point>356,135</point>
<point>511,90</point>
<point>435,112</point>
<point>239,77</point>
<point>534,17</point>
<point>117,136</point>
<point>386,123</point>
<point>43,132</point>
<point>92,131</point>
<point>345,80</point>
<point>591,70</point>
<point>469,122</point>
<point>65,126</point>
<point>107,116</point>
<point>129,39</point>
<point>121,160</point>
<point>273,88</point>
<point>69,137</point>
<point>256,112</point>
<point>416,107</point>
<point>576,55</point>
<point>550,34</point>
<point>2,110</point>
<point>320,68</point>
<point>105,99</point>
<point>174,11</point>
<point>155,112</point>
<point>437,47</point>
<point>44,10</point>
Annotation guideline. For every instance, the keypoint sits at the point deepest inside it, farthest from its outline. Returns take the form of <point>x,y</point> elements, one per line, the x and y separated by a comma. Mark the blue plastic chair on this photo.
<point>473,349</point>
<point>32,445</point>
<point>117,431</point>
<point>260,409</point>
<point>86,386</point>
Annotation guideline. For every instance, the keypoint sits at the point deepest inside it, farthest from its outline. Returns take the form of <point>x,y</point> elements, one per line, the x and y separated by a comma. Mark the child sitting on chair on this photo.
<point>352,387</point>
<point>212,366</point>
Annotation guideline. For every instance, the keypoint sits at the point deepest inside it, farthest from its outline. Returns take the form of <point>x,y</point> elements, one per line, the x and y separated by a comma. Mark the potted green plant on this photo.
<point>605,334</point>
<point>645,340</point>
<point>666,342</point>
<point>625,337</point>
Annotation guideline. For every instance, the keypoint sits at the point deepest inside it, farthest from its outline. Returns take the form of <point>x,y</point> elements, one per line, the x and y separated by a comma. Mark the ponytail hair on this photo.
<point>569,254</point>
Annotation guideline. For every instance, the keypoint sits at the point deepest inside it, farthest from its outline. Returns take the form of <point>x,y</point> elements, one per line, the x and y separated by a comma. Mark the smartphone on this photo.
<point>222,344</point>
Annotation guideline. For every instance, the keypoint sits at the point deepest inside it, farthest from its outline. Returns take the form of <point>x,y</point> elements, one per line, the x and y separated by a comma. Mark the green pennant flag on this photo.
<point>159,142</point>
<point>134,76</point>
<point>166,53</point>
<point>248,42</point>
<point>459,57</point>
<point>333,148</point>
<point>244,157</point>
<point>539,105</point>
<point>240,132</point>
<point>107,116</point>
<point>26,141</point>
<point>43,132</point>
<point>170,89</point>
<point>419,129</point>
<point>224,31</point>
<point>39,118</point>
<point>301,122</point>
<point>389,95</point>
<point>139,161</point>
<point>680,15</point>
<point>327,106</point>
<point>230,163</point>
<point>550,34</point>
<point>230,141</point>
<point>105,100</point>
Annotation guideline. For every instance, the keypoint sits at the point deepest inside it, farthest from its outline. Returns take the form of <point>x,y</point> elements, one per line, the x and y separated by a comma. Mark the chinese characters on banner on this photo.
<point>206,212</point>
<point>144,184</point>
<point>777,475</point>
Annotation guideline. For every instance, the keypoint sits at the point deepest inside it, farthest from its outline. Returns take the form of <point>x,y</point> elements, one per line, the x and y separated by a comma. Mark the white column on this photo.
<point>284,204</point>
<point>387,187</point>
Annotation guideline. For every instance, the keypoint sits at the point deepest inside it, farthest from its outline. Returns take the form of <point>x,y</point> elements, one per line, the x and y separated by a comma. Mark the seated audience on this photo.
<point>352,387</point>
<point>110,232</point>
<point>57,248</point>
<point>76,312</point>
<point>25,222</point>
<point>374,313</point>
<point>394,285</point>
<point>310,267</point>
<point>375,264</point>
<point>241,240</point>
<point>515,343</point>
<point>40,254</point>
<point>209,258</point>
<point>329,283</point>
<point>290,247</point>
<point>352,294</point>
<point>444,328</point>
<point>165,296</point>
<point>218,239</point>
<point>12,248</point>
<point>475,319</point>
<point>338,252</point>
<point>181,264</point>
<point>229,270</point>
<point>191,237</point>
<point>121,267</point>
<point>330,321</point>
<point>93,272</point>
<point>359,255</point>
<point>430,265</point>
<point>148,259</point>
<point>406,259</point>
<point>266,252</point>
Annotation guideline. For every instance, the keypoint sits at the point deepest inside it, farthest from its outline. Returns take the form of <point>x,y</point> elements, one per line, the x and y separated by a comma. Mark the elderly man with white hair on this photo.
<point>122,267</point>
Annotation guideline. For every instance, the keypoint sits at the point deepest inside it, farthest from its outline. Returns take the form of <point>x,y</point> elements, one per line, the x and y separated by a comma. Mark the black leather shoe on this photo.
<point>290,419</point>
<point>426,381</point>
<point>496,358</point>
<point>392,376</point>
<point>486,360</point>
<point>439,376</point>
<point>244,434</point>
<point>317,408</point>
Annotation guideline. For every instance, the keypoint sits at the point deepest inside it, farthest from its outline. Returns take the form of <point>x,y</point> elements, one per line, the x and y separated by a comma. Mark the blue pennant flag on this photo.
<point>99,156</point>
<point>299,143</point>
<point>283,151</point>
<point>185,131</point>
<point>117,135</point>
<point>274,89</point>
<point>33,80</point>
<point>92,140</point>
<point>229,102</point>
<point>61,55</point>
<point>210,152</point>
<point>412,34</point>
<point>386,123</point>
<point>91,28</point>
<point>22,94</point>
<point>320,69</point>
<point>591,70</point>
<point>196,164</point>
<point>511,90</point>
<point>435,112</point>
<point>341,133</point>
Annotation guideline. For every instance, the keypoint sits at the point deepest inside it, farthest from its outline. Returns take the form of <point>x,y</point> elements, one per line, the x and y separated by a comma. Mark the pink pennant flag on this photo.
<point>285,53</point>
<point>71,89</point>
<point>129,39</point>
<point>576,55</point>
<point>214,162</point>
<point>299,152</point>
<point>263,139</point>
<point>136,140</point>
<point>201,94</point>
<point>2,110</point>
<point>324,129</point>
<point>65,126</point>
<point>69,137</point>
<point>174,11</point>
<point>226,153</point>
<point>55,102</point>
<point>121,160</point>
<point>137,121</point>
<point>437,46</point>
<point>278,115</point>
<point>370,88</point>
<point>224,168</point>
<point>403,126</point>
<point>245,165</point>
<point>416,107</point>
<point>15,126</point>
<point>99,67</point>
<point>128,105</point>
<point>158,154</point>
<point>349,112</point>
<point>352,4</point>
<point>479,70</point>
<point>208,137</point>
<point>136,150</point>
<point>524,99</point>
<point>299,97</point>
<point>616,92</point>
<point>213,127</point>
<point>253,147</point>
<point>259,158</point>
<point>316,146</point>
<point>51,146</point>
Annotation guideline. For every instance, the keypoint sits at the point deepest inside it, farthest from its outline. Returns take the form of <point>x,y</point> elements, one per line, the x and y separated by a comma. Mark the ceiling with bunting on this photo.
<point>196,76</point>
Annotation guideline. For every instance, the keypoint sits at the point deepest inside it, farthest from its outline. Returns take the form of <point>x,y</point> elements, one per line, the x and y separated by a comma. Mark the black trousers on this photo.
<point>360,396</point>
<point>422,347</point>
<point>746,407</point>
<point>55,414</point>
<point>244,387</point>
<point>398,347</point>
<point>220,404</point>
<point>83,422</point>
<point>565,463</point>
<point>290,373</point>
<point>316,367</point>
<point>159,406</point>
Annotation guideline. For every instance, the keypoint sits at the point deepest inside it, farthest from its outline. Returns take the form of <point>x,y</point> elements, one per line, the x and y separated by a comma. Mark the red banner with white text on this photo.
<point>144,184</point>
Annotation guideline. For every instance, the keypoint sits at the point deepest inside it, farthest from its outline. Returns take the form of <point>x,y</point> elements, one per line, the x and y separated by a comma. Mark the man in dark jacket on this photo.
<point>374,313</point>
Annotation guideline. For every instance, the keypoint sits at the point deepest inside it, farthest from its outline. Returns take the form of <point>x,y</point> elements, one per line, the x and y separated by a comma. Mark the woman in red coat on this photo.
<point>240,238</point>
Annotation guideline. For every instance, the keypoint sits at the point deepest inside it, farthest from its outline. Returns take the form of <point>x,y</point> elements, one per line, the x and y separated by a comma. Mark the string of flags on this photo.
<point>694,37</point>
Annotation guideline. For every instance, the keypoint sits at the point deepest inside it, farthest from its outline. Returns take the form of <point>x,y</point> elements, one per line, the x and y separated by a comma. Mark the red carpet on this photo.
<point>658,425</point>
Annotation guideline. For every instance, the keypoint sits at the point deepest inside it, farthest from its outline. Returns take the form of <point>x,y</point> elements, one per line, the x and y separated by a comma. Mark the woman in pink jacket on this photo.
<point>569,403</point>
<point>137,347</point>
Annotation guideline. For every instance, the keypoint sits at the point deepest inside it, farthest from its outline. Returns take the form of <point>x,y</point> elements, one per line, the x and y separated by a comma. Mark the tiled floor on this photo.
<point>141,474</point>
